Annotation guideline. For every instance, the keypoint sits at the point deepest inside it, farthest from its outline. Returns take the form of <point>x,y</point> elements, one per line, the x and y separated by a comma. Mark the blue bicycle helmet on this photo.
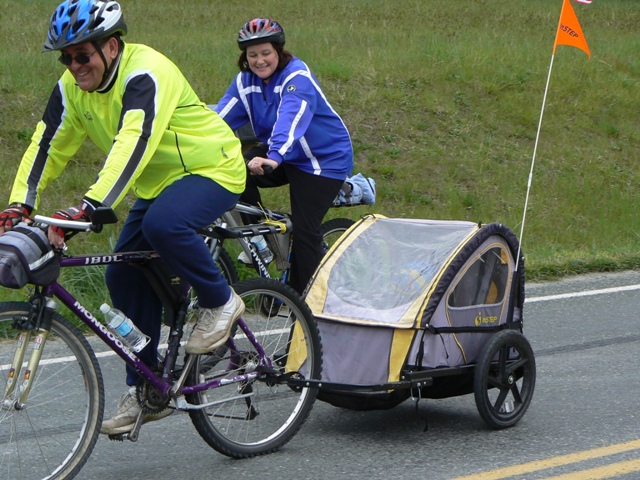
<point>78,21</point>
<point>260,30</point>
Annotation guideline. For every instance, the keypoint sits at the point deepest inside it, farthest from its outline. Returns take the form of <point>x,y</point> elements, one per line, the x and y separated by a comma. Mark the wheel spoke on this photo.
<point>494,382</point>
<point>514,366</point>
<point>515,391</point>
<point>503,357</point>
<point>501,398</point>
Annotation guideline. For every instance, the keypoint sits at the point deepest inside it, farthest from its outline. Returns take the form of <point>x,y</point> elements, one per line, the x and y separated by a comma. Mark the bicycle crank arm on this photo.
<point>133,434</point>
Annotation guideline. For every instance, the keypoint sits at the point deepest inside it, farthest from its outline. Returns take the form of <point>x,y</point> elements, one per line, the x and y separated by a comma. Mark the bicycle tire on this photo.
<point>54,435</point>
<point>332,230</point>
<point>504,379</point>
<point>227,267</point>
<point>271,414</point>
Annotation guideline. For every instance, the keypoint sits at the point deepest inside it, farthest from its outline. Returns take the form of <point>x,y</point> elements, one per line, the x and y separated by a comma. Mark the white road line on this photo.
<point>111,353</point>
<point>547,298</point>
<point>587,293</point>
<point>52,361</point>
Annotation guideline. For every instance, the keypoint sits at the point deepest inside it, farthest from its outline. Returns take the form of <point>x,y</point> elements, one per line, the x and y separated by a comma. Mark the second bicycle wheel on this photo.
<point>53,434</point>
<point>258,417</point>
<point>332,230</point>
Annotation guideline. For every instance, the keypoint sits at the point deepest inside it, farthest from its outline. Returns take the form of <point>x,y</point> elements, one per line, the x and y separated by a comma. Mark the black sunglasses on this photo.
<point>82,58</point>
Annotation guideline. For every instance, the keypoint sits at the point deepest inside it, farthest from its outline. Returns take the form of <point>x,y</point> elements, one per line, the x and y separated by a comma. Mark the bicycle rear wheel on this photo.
<point>332,230</point>
<point>227,267</point>
<point>259,417</point>
<point>53,435</point>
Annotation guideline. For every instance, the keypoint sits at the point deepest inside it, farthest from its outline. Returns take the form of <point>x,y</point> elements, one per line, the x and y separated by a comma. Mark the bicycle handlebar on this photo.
<point>242,207</point>
<point>223,231</point>
<point>101,216</point>
<point>68,224</point>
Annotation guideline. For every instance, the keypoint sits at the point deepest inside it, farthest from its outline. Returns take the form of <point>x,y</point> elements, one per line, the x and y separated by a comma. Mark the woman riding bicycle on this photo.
<point>305,140</point>
<point>163,144</point>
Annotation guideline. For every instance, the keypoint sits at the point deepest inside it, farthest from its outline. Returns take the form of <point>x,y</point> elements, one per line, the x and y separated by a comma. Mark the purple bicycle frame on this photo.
<point>114,343</point>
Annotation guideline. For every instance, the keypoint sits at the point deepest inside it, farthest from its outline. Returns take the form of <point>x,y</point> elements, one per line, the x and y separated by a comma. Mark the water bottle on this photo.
<point>263,249</point>
<point>124,328</point>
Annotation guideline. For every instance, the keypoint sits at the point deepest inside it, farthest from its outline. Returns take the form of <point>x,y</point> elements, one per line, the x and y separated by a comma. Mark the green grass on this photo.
<point>442,99</point>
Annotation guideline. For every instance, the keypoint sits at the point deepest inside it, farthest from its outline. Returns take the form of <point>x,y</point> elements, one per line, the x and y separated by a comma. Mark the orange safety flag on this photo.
<point>569,31</point>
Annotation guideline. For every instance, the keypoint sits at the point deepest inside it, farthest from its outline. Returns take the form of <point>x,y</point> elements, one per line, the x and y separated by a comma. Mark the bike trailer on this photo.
<point>406,307</point>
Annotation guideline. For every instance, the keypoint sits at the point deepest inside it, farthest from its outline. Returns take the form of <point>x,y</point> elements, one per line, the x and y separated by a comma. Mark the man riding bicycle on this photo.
<point>181,161</point>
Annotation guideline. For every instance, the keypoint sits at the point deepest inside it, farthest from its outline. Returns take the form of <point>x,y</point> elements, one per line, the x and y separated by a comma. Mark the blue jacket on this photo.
<point>291,115</point>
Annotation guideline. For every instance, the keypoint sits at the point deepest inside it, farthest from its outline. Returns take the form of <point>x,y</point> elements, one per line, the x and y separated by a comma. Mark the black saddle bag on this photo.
<point>26,256</point>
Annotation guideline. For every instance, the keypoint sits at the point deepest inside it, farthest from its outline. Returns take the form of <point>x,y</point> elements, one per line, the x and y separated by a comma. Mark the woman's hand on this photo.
<point>257,165</point>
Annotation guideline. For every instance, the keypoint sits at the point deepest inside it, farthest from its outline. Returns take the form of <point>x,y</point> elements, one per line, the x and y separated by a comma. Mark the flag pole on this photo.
<point>570,33</point>
<point>533,161</point>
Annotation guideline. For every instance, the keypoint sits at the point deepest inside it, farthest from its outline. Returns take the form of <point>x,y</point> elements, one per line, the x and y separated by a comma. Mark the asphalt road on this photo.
<point>583,422</point>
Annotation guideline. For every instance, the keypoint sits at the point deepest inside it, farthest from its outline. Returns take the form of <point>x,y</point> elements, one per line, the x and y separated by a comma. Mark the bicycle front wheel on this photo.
<point>52,436</point>
<point>259,416</point>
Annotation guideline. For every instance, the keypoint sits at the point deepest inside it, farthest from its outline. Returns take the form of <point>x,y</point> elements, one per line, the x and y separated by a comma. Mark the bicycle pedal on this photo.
<point>135,431</point>
<point>118,437</point>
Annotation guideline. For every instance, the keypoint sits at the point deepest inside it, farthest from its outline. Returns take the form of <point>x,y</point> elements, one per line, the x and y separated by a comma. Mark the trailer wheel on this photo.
<point>504,379</point>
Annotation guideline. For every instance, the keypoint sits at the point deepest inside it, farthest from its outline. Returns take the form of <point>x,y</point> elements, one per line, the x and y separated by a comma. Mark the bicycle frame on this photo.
<point>165,386</point>
<point>265,366</point>
<point>231,218</point>
<point>282,252</point>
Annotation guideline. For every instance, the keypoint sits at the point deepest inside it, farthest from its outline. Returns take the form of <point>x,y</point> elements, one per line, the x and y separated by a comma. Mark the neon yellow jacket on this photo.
<point>147,120</point>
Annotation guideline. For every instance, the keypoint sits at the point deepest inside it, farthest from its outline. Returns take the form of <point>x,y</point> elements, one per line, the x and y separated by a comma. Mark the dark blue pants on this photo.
<point>168,224</point>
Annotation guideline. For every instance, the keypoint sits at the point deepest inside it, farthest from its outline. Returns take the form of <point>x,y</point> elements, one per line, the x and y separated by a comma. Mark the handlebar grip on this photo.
<point>267,168</point>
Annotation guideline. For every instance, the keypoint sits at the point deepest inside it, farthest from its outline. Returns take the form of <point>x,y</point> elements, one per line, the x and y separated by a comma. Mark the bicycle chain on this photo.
<point>150,399</point>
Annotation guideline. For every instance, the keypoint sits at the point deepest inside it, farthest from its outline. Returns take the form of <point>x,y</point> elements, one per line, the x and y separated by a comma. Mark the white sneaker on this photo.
<point>244,258</point>
<point>214,325</point>
<point>128,410</point>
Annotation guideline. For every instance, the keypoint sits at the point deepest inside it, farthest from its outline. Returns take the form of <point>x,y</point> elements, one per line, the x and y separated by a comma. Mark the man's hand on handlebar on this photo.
<point>13,215</point>
<point>81,213</point>
<point>261,165</point>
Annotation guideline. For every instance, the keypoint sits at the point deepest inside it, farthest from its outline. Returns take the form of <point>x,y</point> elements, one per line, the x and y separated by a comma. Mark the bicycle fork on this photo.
<point>17,400</point>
